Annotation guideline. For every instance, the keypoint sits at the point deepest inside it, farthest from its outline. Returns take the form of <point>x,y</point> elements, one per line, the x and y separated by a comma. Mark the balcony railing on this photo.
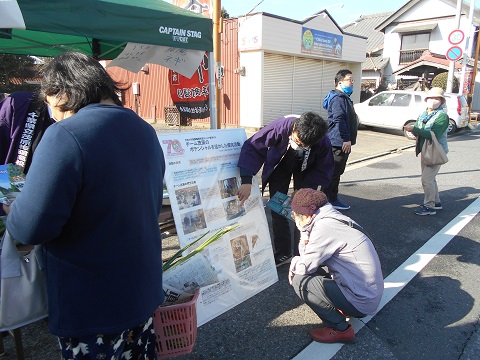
<point>407,56</point>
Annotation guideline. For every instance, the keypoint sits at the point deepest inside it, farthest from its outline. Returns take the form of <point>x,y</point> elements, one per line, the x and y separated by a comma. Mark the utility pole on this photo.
<point>474,73</point>
<point>217,54</point>
<point>468,43</point>
<point>451,69</point>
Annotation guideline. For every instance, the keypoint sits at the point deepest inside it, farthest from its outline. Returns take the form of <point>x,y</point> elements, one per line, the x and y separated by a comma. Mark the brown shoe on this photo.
<point>330,335</point>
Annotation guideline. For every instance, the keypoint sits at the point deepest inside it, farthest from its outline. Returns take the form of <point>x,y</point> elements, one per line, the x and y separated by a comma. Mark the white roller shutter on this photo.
<point>278,87</point>
<point>307,85</point>
<point>294,85</point>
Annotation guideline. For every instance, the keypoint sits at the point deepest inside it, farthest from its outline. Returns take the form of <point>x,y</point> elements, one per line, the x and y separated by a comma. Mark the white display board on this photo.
<point>202,180</point>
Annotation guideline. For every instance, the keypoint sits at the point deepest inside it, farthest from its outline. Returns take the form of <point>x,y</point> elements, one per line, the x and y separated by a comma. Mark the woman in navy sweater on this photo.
<point>92,198</point>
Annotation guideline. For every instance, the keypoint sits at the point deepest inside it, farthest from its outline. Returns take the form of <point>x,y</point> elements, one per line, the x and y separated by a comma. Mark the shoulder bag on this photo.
<point>432,152</point>
<point>23,289</point>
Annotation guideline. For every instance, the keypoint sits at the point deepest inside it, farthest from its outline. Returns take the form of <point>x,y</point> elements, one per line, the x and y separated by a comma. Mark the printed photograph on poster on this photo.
<point>254,239</point>
<point>193,221</point>
<point>188,197</point>
<point>228,187</point>
<point>241,253</point>
<point>233,209</point>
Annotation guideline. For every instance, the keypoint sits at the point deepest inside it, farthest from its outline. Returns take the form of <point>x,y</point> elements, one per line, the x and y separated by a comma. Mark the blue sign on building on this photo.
<point>321,43</point>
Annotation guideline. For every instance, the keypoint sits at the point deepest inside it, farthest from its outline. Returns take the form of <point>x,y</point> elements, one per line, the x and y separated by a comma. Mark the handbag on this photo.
<point>23,288</point>
<point>432,152</point>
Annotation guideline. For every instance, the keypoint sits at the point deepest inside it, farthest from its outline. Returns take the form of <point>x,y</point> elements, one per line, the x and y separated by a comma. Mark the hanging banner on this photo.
<point>202,180</point>
<point>135,56</point>
<point>191,95</point>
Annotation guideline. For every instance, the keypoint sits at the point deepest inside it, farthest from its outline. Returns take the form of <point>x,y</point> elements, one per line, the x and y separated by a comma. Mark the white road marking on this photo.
<point>399,278</point>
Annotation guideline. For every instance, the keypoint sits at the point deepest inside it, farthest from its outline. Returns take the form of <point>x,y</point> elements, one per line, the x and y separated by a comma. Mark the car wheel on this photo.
<point>452,127</point>
<point>409,135</point>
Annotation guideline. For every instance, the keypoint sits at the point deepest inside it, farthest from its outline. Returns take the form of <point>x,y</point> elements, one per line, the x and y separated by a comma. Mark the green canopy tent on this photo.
<point>100,28</point>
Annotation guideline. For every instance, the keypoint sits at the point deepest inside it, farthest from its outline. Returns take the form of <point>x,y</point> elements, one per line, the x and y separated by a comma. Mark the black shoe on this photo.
<point>282,259</point>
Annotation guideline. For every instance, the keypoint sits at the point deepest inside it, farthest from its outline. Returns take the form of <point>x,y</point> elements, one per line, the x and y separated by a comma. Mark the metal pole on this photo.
<point>474,73</point>
<point>212,97</point>
<point>217,52</point>
<point>451,69</point>
<point>466,54</point>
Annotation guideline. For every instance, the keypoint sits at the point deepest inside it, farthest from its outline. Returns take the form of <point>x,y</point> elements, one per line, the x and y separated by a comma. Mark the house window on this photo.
<point>413,46</point>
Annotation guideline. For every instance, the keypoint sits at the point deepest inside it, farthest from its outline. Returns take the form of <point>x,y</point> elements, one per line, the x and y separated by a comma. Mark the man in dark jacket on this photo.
<point>342,130</point>
<point>289,146</point>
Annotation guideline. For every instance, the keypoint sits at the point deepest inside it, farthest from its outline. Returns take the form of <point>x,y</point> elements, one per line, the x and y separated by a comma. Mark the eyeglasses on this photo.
<point>349,79</point>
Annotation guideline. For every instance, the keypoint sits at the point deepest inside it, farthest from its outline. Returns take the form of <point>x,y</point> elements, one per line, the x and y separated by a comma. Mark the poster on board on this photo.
<point>202,180</point>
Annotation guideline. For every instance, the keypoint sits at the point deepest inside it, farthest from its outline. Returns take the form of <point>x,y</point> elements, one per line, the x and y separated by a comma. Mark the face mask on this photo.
<point>348,90</point>
<point>433,103</point>
<point>293,144</point>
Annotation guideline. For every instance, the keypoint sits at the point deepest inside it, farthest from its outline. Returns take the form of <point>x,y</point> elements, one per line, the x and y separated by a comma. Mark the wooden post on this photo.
<point>217,54</point>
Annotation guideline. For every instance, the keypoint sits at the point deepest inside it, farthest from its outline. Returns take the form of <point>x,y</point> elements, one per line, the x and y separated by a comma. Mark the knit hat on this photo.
<point>307,201</point>
<point>435,92</point>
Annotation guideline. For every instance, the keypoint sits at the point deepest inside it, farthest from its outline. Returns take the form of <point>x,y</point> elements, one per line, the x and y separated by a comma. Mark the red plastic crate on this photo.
<point>176,328</point>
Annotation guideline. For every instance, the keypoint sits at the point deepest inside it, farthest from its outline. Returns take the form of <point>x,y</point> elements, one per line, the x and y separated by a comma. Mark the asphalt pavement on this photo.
<point>430,311</point>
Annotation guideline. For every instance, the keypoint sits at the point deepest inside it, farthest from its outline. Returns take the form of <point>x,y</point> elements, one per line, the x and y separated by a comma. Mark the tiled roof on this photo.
<point>428,59</point>
<point>365,25</point>
<point>19,81</point>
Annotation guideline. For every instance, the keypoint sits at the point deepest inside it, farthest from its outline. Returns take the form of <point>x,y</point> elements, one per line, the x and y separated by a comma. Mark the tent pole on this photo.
<point>217,51</point>
<point>96,49</point>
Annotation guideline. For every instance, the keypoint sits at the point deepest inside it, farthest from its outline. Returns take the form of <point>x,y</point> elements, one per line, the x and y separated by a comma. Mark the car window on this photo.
<point>418,99</point>
<point>401,100</point>
<point>381,100</point>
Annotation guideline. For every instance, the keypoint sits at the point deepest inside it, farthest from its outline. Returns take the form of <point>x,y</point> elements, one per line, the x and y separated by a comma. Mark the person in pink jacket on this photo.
<point>338,272</point>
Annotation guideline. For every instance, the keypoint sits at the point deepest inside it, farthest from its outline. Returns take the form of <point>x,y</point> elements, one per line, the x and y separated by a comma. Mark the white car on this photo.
<point>396,108</point>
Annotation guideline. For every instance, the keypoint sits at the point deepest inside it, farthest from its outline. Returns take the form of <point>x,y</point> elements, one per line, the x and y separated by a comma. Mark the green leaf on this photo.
<point>171,263</point>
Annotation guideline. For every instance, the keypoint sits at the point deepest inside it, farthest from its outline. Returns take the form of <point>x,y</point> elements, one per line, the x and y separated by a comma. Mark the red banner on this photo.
<point>191,96</point>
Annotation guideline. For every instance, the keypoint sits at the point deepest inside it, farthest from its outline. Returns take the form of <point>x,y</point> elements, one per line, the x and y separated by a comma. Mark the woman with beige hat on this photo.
<point>435,119</point>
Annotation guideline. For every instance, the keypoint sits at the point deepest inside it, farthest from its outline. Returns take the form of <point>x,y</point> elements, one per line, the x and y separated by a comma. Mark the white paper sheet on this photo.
<point>135,56</point>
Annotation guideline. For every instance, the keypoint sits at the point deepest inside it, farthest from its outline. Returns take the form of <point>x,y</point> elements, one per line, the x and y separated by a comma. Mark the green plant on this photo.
<point>441,81</point>
<point>218,234</point>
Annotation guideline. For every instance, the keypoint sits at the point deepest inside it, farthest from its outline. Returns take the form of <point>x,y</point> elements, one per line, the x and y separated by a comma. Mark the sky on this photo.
<point>301,9</point>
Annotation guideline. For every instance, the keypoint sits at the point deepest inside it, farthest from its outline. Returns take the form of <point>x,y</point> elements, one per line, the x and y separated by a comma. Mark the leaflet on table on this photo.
<point>202,179</point>
<point>12,180</point>
<point>280,203</point>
